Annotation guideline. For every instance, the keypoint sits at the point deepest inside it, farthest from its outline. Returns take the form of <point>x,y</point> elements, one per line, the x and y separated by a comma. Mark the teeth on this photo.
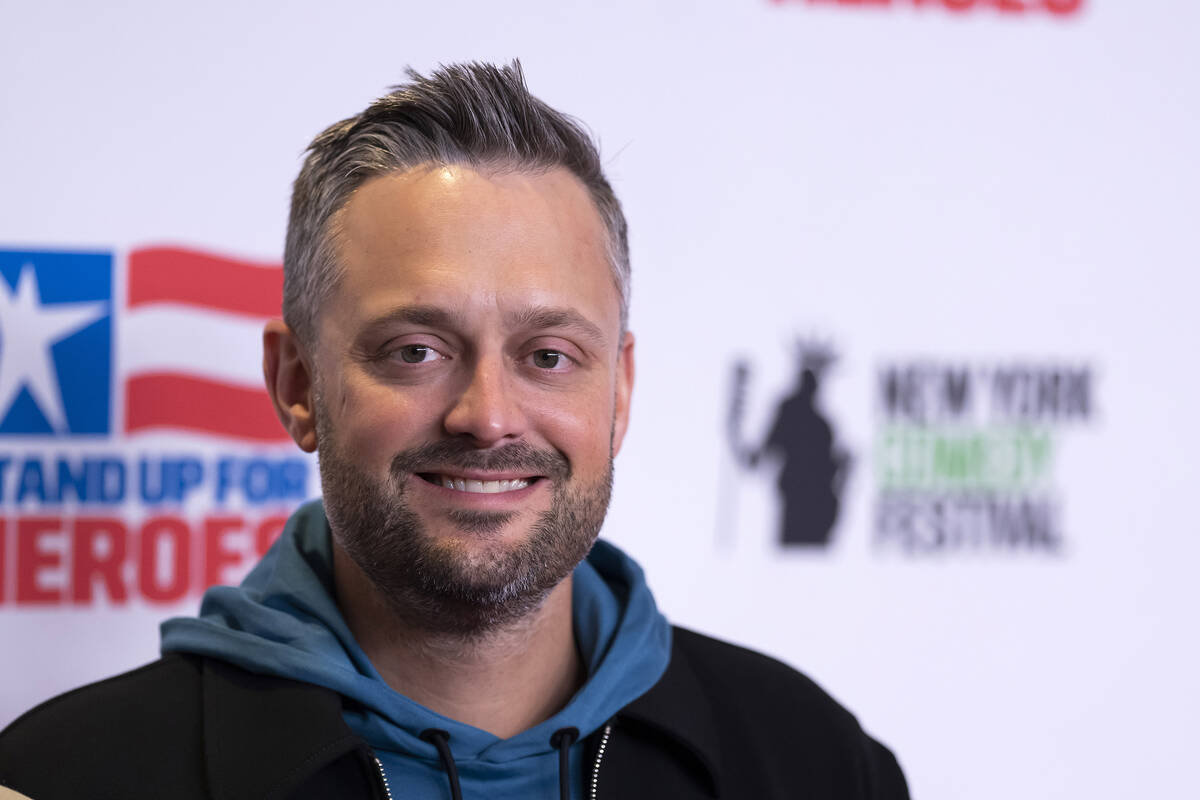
<point>483,487</point>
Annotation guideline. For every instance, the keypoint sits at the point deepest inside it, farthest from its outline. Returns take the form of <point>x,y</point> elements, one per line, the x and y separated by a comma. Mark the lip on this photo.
<point>480,475</point>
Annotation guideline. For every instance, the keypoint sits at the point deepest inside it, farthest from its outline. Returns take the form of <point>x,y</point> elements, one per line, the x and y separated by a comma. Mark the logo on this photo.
<point>1055,7</point>
<point>965,455</point>
<point>140,457</point>
<point>799,449</point>
<point>964,460</point>
<point>55,343</point>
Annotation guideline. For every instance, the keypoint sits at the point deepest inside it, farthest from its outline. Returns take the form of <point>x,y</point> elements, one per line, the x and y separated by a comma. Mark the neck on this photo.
<point>503,681</point>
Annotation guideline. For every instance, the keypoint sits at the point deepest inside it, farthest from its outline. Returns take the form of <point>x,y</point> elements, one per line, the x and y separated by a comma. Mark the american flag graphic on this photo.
<point>191,354</point>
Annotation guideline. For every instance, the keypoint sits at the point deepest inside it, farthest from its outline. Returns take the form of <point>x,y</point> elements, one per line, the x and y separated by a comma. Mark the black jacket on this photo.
<point>722,722</point>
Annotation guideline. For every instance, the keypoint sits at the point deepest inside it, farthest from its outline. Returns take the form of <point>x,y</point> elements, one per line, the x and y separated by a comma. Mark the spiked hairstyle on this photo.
<point>473,114</point>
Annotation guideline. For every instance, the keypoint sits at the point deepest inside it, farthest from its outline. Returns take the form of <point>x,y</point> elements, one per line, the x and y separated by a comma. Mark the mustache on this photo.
<point>459,454</point>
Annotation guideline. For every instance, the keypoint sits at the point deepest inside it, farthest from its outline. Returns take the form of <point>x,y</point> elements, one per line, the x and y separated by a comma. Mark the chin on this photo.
<point>447,566</point>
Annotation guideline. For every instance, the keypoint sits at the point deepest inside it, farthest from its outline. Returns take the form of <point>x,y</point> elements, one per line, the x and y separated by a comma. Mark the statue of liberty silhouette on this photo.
<point>812,468</point>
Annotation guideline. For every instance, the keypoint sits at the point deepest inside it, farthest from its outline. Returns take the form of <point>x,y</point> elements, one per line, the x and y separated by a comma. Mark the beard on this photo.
<point>438,584</point>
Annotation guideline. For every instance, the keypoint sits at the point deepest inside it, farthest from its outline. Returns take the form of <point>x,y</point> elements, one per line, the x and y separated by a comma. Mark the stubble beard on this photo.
<point>440,585</point>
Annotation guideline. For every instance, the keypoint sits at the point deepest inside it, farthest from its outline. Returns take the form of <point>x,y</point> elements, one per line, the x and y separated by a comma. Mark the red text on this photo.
<point>1061,7</point>
<point>59,560</point>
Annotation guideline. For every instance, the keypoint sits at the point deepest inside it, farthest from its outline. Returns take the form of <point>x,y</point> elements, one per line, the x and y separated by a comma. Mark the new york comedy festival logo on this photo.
<point>800,448</point>
<point>963,459</point>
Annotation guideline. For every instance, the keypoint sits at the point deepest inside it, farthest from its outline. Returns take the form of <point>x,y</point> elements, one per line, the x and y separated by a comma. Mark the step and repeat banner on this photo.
<point>914,295</point>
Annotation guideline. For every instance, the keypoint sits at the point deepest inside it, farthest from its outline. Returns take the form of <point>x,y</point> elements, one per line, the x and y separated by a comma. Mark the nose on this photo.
<point>487,410</point>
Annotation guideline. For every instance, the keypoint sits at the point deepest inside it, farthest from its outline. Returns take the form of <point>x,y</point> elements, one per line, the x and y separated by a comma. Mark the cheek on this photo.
<point>581,429</point>
<point>375,422</point>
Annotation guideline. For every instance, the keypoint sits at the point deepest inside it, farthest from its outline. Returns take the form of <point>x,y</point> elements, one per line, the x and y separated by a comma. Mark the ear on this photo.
<point>624,391</point>
<point>289,383</point>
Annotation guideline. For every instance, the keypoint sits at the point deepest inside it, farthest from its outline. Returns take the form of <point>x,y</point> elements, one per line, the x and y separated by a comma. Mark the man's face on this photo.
<point>472,387</point>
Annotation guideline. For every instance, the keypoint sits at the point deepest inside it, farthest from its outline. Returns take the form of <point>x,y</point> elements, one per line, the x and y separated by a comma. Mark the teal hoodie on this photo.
<point>283,621</point>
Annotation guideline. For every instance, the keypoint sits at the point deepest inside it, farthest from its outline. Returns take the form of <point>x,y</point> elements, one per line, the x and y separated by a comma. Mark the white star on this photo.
<point>27,331</point>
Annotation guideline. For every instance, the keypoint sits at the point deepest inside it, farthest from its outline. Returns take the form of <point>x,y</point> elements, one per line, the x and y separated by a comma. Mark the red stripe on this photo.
<point>175,275</point>
<point>166,400</point>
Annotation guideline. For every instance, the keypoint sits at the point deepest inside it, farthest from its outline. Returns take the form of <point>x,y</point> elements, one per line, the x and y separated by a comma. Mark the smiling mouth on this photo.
<point>473,486</point>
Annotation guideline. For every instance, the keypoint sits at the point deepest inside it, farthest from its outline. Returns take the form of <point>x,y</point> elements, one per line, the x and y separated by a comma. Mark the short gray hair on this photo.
<point>473,114</point>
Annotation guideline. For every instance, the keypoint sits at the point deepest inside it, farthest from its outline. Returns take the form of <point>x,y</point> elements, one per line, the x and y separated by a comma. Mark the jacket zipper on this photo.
<point>387,791</point>
<point>599,755</point>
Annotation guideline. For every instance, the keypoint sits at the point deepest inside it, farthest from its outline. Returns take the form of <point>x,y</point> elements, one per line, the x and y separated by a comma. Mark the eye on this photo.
<point>417,353</point>
<point>550,360</point>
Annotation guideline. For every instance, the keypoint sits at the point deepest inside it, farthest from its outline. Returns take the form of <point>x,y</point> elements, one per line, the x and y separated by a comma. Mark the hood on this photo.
<point>283,621</point>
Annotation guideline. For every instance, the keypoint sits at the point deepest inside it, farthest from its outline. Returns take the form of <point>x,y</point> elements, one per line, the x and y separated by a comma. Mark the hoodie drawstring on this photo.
<point>441,740</point>
<point>562,740</point>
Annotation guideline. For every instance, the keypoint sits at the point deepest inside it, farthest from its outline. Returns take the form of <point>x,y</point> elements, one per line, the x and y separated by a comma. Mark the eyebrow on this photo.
<point>432,316</point>
<point>535,317</point>
<point>539,317</point>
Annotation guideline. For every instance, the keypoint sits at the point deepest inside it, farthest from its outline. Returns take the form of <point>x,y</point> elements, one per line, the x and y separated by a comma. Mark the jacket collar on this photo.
<point>250,758</point>
<point>265,735</point>
<point>677,707</point>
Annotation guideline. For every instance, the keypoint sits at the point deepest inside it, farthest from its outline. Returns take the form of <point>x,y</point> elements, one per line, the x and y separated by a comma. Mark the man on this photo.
<point>455,348</point>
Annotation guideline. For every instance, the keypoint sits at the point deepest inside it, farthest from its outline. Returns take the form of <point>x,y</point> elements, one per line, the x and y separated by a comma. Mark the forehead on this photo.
<point>472,241</point>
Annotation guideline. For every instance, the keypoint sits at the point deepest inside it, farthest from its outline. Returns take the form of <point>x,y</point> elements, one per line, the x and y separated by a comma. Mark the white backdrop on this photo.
<point>928,188</point>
